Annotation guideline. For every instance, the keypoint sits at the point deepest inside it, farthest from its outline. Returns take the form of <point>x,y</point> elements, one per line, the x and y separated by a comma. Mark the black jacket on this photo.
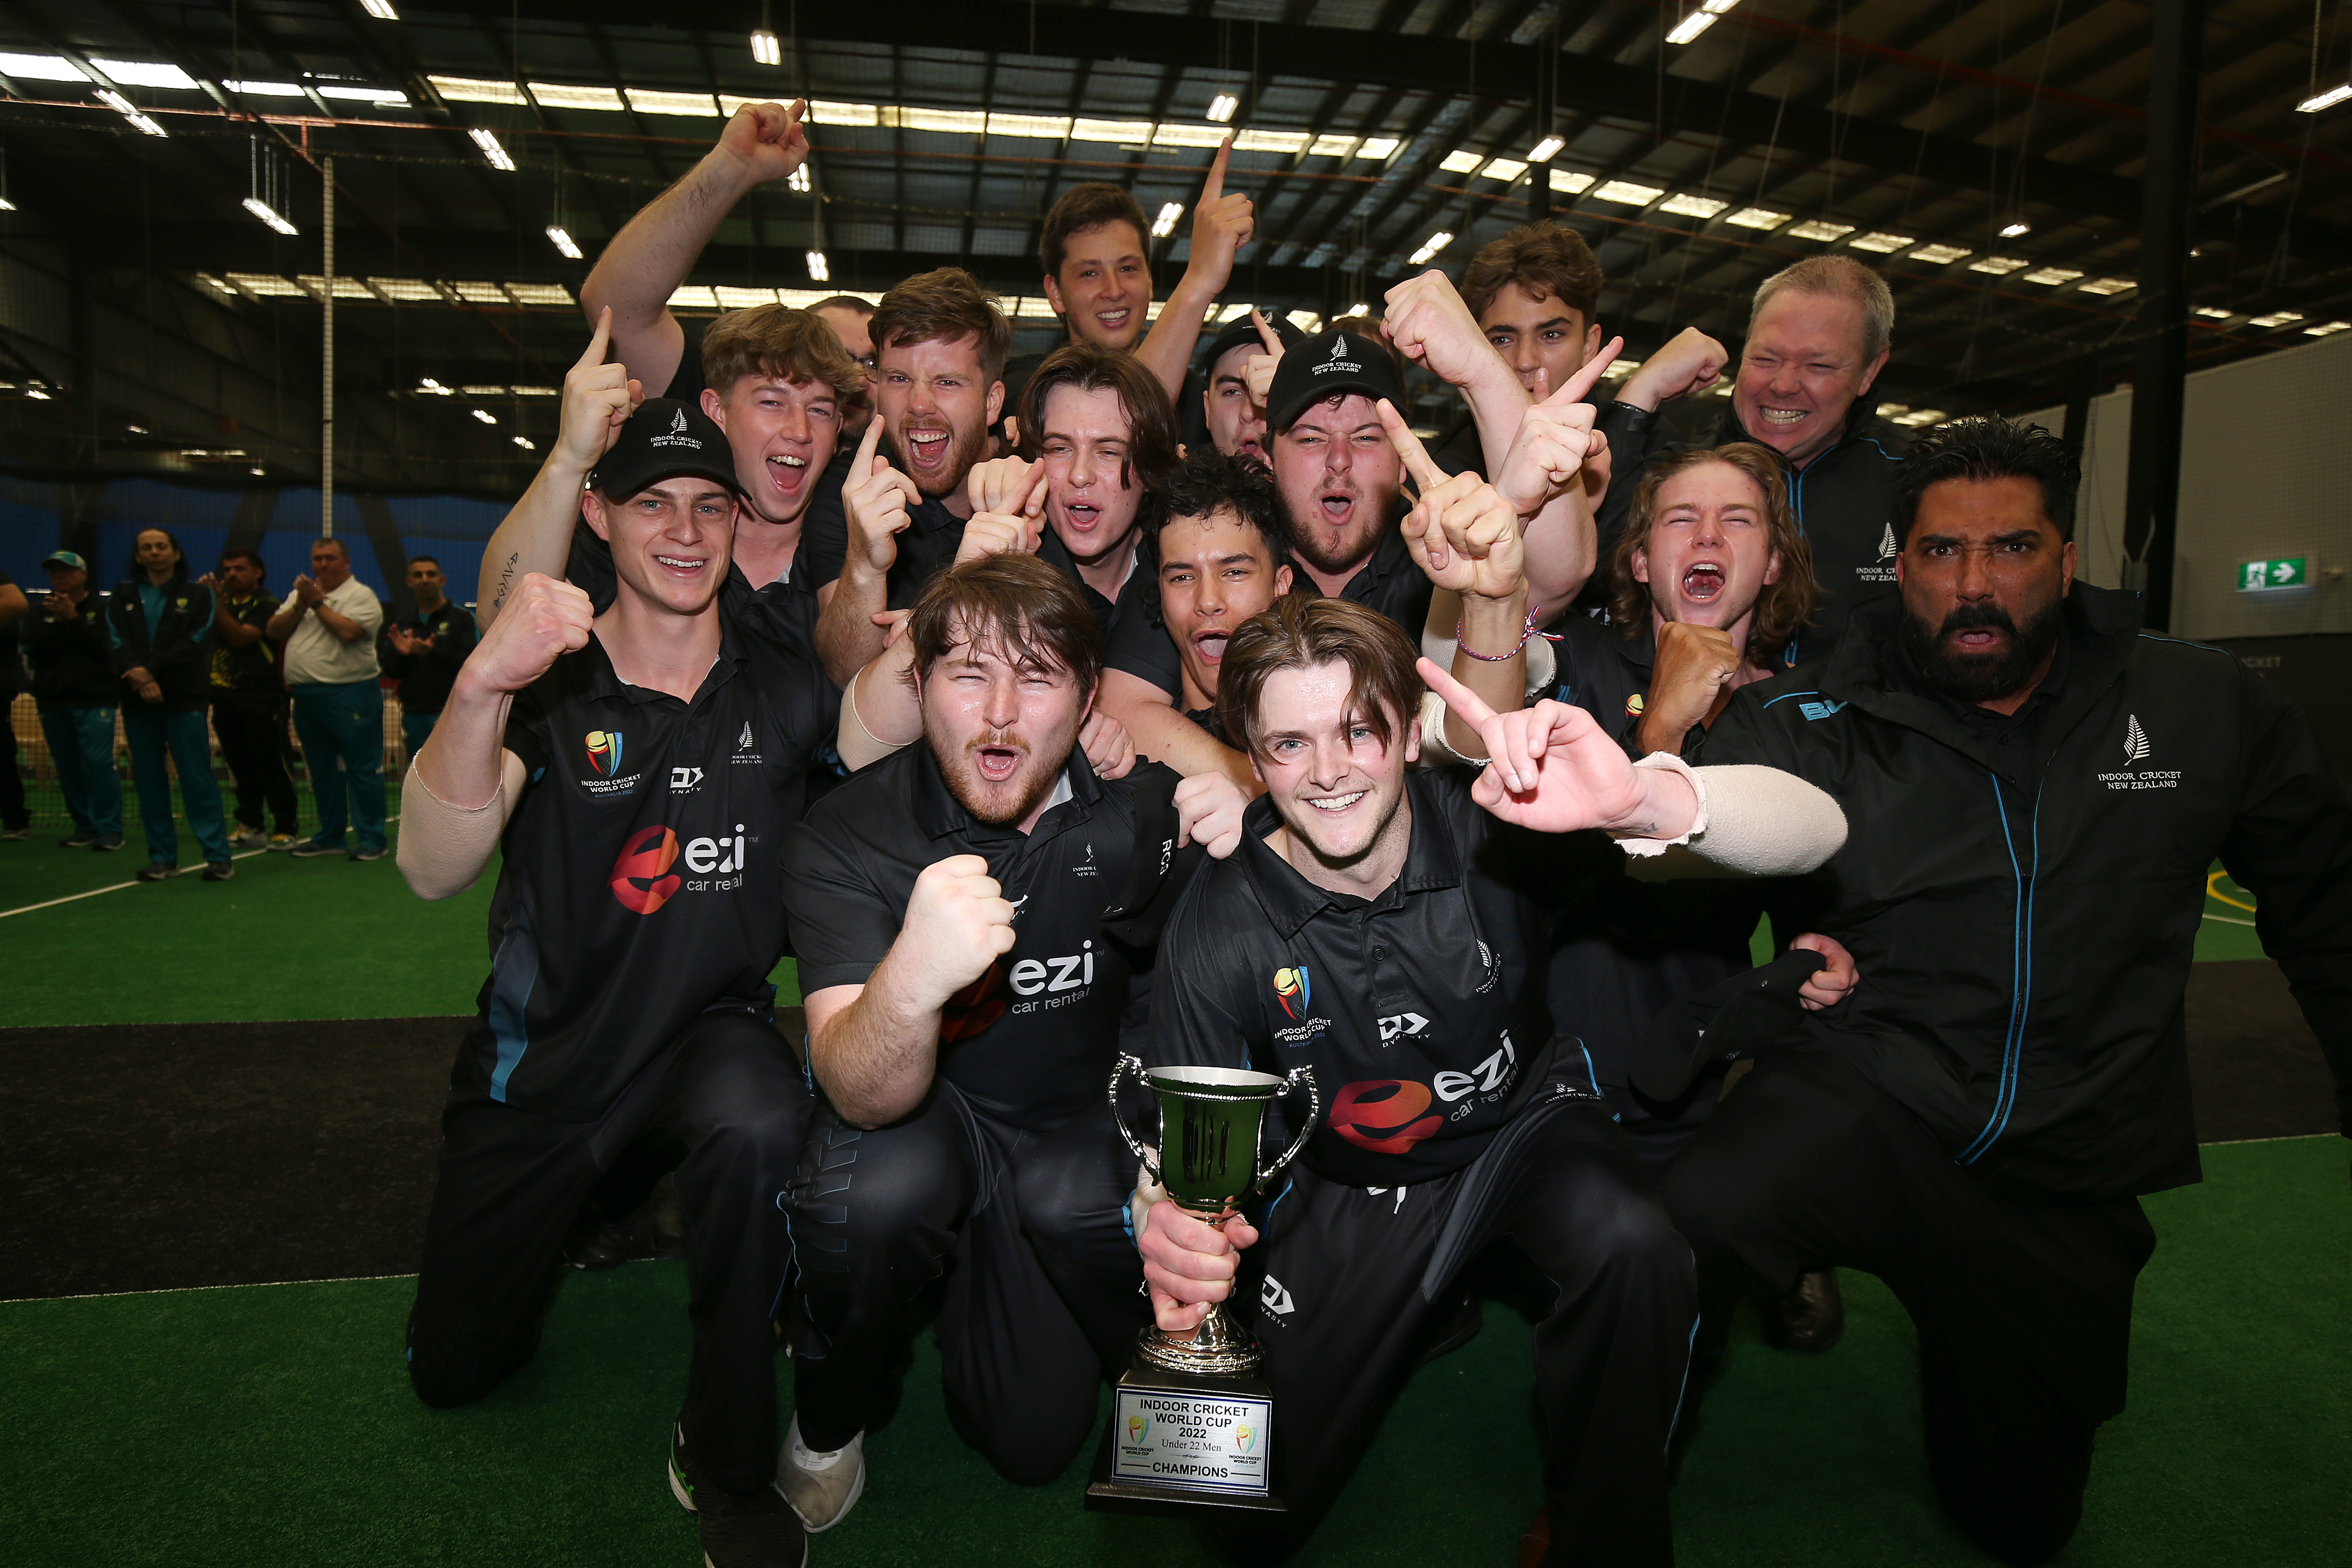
<point>1840,498</point>
<point>180,654</point>
<point>71,668</point>
<point>2024,928</point>
<point>426,678</point>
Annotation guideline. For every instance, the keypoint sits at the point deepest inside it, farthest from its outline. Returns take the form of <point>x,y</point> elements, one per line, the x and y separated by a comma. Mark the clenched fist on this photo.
<point>1696,671</point>
<point>957,923</point>
<point>545,621</point>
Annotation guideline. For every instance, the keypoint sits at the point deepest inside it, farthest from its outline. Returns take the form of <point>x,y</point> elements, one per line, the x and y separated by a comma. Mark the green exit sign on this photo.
<point>2255,575</point>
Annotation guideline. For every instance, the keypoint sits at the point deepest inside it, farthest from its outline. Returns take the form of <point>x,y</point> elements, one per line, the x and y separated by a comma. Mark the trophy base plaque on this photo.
<point>1186,1438</point>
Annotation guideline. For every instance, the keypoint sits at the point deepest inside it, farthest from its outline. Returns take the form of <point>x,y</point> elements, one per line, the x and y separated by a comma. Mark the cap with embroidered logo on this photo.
<point>1332,364</point>
<point>665,439</point>
<point>66,559</point>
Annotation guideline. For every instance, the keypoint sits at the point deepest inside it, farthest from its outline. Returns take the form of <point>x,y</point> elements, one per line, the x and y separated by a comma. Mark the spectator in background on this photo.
<point>75,687</point>
<point>249,703</point>
<point>423,653</point>
<point>159,638</point>
<point>16,822</point>
<point>847,315</point>
<point>329,625</point>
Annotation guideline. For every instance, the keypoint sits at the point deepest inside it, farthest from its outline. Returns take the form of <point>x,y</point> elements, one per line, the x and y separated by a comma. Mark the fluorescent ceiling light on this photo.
<point>1999,266</point>
<point>560,237</point>
<point>483,392</point>
<point>1620,369</point>
<point>2011,231</point>
<point>1380,148</point>
<point>1221,106</point>
<point>268,214</point>
<point>1432,245</point>
<point>645,100</point>
<point>1691,26</point>
<point>2050,277</point>
<point>141,73</point>
<point>265,88</point>
<point>947,122</point>
<point>1718,7</point>
<point>1504,169</point>
<point>743,298</point>
<point>263,284</point>
<point>818,271</point>
<point>539,294</point>
<point>492,153</point>
<point>524,442</point>
<point>314,286</point>
<point>1879,242</point>
<point>1460,162</point>
<point>1688,206</point>
<point>1165,223</point>
<point>1289,143</point>
<point>403,290</point>
<point>477,293</point>
<point>1573,182</point>
<point>1545,149</point>
<point>556,95</point>
<point>2327,328</point>
<point>693,296</point>
<point>2211,314</point>
<point>1331,147</point>
<point>129,110</point>
<point>1759,218</point>
<point>389,98</point>
<point>1628,193</point>
<point>1124,131</point>
<point>1919,417</point>
<point>476,90</point>
<point>766,49</point>
<point>1173,135</point>
<point>1040,127</point>
<point>1938,254</point>
<point>2110,285</point>
<point>823,113</point>
<point>798,180</point>
<point>380,10</point>
<point>1820,229</point>
<point>41,68</point>
<point>2328,99</point>
<point>1303,319</point>
<point>2276,319</point>
<point>485,416</point>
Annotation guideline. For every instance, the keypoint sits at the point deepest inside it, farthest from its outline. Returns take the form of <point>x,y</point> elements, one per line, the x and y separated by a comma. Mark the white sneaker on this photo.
<point>822,1487</point>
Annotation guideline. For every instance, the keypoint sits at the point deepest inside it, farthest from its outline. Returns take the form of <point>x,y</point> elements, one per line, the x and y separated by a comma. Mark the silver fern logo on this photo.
<point>1886,543</point>
<point>2136,746</point>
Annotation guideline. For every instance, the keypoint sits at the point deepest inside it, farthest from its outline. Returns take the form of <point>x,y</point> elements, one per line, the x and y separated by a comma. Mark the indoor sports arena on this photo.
<point>1210,781</point>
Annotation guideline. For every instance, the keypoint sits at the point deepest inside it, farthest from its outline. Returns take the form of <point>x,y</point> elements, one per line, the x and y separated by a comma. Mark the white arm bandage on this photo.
<point>1752,821</point>
<point>443,848</point>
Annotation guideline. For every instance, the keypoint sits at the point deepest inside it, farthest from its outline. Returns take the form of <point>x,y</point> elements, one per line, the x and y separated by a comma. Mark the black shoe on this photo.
<point>157,871</point>
<point>108,841</point>
<point>78,839</point>
<point>367,854</point>
<point>218,871</point>
<point>739,1530</point>
<point>1811,1317</point>
<point>311,849</point>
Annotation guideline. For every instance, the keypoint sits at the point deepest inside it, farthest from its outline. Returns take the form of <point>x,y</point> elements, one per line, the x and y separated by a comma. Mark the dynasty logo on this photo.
<point>1294,990</point>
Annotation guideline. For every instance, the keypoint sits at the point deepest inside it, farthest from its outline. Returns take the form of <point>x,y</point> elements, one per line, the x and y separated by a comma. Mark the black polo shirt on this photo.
<point>1606,674</point>
<point>426,678</point>
<point>926,545</point>
<point>1138,596</point>
<point>1420,1010</point>
<point>254,667</point>
<point>1031,1042</point>
<point>643,877</point>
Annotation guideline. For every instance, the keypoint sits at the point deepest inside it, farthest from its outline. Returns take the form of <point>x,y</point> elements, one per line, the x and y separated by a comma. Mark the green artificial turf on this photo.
<point>273,1424</point>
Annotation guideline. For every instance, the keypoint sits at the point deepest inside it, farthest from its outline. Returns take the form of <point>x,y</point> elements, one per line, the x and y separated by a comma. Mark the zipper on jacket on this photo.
<point>2021,976</point>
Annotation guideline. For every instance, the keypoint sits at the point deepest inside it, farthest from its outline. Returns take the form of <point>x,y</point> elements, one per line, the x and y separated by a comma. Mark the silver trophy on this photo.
<point>1191,1421</point>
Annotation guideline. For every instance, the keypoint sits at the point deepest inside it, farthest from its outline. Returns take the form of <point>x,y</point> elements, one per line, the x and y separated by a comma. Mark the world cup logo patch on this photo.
<point>604,752</point>
<point>1294,990</point>
<point>1136,1426</point>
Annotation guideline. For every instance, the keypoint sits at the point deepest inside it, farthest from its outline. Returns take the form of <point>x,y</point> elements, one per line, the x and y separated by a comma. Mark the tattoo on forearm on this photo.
<point>506,580</point>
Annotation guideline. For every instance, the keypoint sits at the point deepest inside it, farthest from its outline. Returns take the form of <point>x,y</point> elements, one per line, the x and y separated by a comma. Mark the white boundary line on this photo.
<point>373,1278</point>
<point>118,886</point>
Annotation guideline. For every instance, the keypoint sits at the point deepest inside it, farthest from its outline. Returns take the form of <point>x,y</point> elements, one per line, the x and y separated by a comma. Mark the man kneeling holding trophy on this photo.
<point>1384,929</point>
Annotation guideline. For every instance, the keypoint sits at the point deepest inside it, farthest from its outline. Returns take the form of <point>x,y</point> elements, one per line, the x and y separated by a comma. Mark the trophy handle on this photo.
<point>1127,1063</point>
<point>1295,1078</point>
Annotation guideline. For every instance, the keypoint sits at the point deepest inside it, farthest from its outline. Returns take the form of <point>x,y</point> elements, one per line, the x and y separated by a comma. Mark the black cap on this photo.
<point>664,439</point>
<point>1327,365</point>
<point>1245,331</point>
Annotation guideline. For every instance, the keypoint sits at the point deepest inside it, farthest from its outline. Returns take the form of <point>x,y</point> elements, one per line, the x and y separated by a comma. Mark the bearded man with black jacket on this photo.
<point>2036,788</point>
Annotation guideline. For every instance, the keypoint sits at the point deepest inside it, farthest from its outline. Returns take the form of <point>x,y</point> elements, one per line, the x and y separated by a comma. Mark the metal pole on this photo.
<point>327,369</point>
<point>2152,491</point>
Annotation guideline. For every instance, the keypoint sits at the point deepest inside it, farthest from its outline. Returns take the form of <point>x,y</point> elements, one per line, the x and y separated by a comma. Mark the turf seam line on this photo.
<point>118,886</point>
<point>335,1279</point>
<point>2281,1138</point>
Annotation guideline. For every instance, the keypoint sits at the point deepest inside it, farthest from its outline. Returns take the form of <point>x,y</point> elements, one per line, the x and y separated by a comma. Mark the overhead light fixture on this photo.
<point>37,395</point>
<point>268,214</point>
<point>1461,161</point>
<point>1221,106</point>
<point>2276,319</point>
<point>1691,26</point>
<point>2011,231</point>
<point>136,429</point>
<point>2328,99</point>
<point>1542,151</point>
<point>1165,223</point>
<point>819,270</point>
<point>6,205</point>
<point>799,180</point>
<point>1758,218</point>
<point>524,442</point>
<point>41,68</point>
<point>485,416</point>
<point>380,10</point>
<point>562,239</point>
<point>1880,242</point>
<point>492,153</point>
<point>257,473</point>
<point>1432,245</point>
<point>1718,7</point>
<point>765,49</point>
<point>129,110</point>
<point>1685,206</point>
<point>429,385</point>
<point>145,73</point>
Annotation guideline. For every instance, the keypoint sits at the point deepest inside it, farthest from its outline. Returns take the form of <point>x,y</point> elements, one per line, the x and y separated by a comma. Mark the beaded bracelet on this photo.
<point>1524,632</point>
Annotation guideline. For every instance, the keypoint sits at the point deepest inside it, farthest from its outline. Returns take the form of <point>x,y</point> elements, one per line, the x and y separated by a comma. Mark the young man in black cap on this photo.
<point>638,768</point>
<point>1232,416</point>
<point>975,917</point>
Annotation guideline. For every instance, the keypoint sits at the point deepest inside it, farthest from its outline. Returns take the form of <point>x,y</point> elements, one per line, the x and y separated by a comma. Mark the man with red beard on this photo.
<point>940,343</point>
<point>974,917</point>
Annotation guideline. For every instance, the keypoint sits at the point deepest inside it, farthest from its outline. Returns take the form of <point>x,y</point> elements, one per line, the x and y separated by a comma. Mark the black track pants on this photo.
<point>2023,1311</point>
<point>252,730</point>
<point>511,1183</point>
<point>1342,1282</point>
<point>1042,1282</point>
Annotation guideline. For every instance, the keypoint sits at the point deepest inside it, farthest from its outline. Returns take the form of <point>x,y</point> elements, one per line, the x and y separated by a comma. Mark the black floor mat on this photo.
<point>141,1157</point>
<point>157,1156</point>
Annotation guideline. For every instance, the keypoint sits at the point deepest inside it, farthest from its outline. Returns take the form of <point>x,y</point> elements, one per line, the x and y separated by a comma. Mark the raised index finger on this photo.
<point>1418,462</point>
<point>1215,186</point>
<point>1266,333</point>
<point>1468,706</point>
<point>599,340</point>
<point>866,446</point>
<point>1578,387</point>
